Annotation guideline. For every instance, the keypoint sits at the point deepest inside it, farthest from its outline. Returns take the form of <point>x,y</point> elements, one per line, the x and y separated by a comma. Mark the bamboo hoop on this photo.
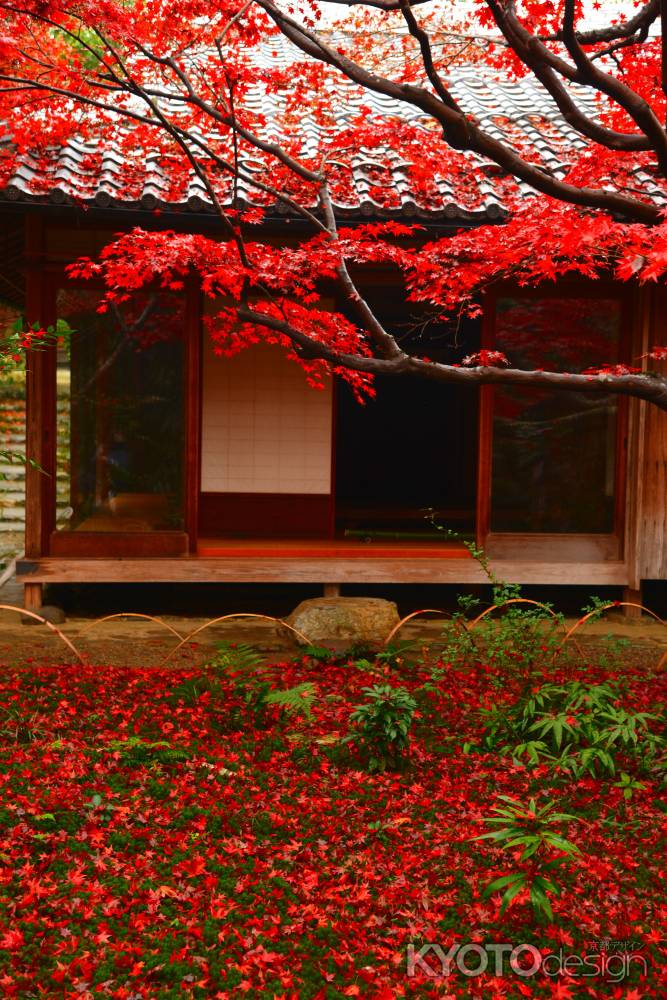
<point>426,611</point>
<point>131,614</point>
<point>39,618</point>
<point>222,618</point>
<point>615,604</point>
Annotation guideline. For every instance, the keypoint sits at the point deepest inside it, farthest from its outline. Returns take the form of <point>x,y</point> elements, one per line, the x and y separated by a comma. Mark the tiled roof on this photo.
<point>517,111</point>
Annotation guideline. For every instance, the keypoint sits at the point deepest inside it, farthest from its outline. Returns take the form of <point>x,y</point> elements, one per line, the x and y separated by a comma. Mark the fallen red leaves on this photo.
<point>149,849</point>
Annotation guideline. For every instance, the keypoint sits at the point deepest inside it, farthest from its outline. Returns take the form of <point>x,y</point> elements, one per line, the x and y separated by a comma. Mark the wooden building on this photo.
<point>168,463</point>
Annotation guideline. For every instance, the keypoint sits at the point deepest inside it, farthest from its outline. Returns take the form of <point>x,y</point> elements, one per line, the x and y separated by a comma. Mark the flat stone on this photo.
<point>341,622</point>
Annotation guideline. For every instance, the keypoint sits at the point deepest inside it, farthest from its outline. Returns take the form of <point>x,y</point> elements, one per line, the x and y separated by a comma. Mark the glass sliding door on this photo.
<point>120,414</point>
<point>555,454</point>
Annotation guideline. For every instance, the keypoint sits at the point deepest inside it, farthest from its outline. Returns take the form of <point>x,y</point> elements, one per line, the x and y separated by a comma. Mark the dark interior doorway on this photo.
<point>413,447</point>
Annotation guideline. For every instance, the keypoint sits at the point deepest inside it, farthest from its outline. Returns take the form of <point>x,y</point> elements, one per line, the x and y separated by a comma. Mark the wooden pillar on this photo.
<point>40,411</point>
<point>485,430</point>
<point>192,376</point>
<point>32,596</point>
<point>648,548</point>
<point>331,589</point>
<point>632,596</point>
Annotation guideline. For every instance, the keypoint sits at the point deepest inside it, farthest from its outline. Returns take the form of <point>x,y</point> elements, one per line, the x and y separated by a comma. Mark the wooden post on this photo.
<point>331,589</point>
<point>485,431</point>
<point>633,597</point>
<point>40,412</point>
<point>32,597</point>
<point>192,376</point>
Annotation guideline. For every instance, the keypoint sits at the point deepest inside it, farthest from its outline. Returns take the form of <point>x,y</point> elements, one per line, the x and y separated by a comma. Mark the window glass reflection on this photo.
<point>120,413</point>
<point>554,453</point>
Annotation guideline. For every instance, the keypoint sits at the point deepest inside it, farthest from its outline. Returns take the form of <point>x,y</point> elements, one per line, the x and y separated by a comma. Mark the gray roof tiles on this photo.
<point>515,112</point>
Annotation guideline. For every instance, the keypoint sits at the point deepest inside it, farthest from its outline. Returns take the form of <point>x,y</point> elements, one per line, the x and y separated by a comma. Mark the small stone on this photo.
<point>52,614</point>
<point>341,622</point>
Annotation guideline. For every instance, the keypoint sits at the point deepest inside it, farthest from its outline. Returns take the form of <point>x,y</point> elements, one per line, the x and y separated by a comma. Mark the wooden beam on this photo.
<point>552,548</point>
<point>201,569</point>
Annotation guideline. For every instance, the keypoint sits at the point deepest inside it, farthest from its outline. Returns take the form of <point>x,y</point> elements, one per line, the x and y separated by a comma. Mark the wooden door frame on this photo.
<point>601,289</point>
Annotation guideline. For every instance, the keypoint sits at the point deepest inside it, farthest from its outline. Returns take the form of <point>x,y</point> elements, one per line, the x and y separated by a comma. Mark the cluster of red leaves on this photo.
<point>242,861</point>
<point>487,359</point>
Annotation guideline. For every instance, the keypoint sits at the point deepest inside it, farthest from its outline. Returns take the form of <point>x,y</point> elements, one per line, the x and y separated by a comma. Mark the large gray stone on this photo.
<point>340,622</point>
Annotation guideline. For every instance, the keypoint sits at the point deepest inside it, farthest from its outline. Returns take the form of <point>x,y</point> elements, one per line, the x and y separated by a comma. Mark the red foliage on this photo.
<point>193,98</point>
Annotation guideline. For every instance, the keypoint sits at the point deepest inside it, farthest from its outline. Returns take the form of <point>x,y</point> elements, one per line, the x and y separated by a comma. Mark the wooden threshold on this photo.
<point>323,548</point>
<point>246,569</point>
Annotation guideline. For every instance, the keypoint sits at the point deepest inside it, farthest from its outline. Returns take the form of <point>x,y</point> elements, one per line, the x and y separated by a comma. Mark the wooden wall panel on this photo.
<point>262,515</point>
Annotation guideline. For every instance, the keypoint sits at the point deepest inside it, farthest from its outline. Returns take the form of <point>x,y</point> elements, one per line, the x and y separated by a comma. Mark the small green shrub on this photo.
<point>579,728</point>
<point>517,638</point>
<point>381,726</point>
<point>535,831</point>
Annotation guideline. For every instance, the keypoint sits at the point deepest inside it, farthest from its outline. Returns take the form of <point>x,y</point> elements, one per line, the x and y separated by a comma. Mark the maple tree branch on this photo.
<point>641,21</point>
<point>424,42</point>
<point>178,134</point>
<point>459,131</point>
<point>241,12</point>
<point>631,102</point>
<point>384,341</point>
<point>652,389</point>
<point>182,142</point>
<point>231,121</point>
<point>544,65</point>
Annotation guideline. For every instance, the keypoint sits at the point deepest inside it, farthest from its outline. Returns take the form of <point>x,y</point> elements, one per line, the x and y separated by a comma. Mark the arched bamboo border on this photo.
<point>39,618</point>
<point>238,614</point>
<point>428,611</point>
<point>459,623</point>
<point>131,614</point>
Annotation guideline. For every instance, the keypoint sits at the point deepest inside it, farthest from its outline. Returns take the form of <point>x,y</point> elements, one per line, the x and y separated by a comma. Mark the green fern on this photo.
<point>238,657</point>
<point>135,751</point>
<point>297,700</point>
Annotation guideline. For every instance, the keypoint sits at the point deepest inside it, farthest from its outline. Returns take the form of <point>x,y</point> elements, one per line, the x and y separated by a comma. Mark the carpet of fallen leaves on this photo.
<point>259,862</point>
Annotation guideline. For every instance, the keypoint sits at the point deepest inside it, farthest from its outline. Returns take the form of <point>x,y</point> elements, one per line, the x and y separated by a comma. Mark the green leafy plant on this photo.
<point>535,831</point>
<point>381,726</point>
<point>579,728</point>
<point>517,638</point>
<point>321,654</point>
<point>19,728</point>
<point>629,785</point>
